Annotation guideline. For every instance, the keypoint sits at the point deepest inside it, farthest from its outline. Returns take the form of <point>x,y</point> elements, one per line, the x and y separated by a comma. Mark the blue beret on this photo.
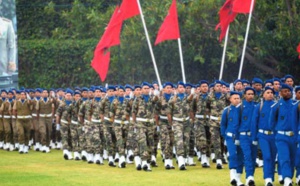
<point>39,90</point>
<point>203,82</point>
<point>269,81</point>
<point>111,87</point>
<point>297,88</point>
<point>249,88</point>
<point>151,86</point>
<point>29,90</point>
<point>269,88</point>
<point>180,83</point>
<point>22,91</point>
<point>235,93</point>
<point>84,89</point>
<point>286,86</point>
<point>145,84</point>
<point>167,84</point>
<point>96,88</point>
<point>218,82</point>
<point>197,85</point>
<point>276,79</point>
<point>77,92</point>
<point>288,76</point>
<point>3,90</point>
<point>121,87</point>
<point>257,80</point>
<point>52,89</point>
<point>10,92</point>
<point>77,88</point>
<point>189,85</point>
<point>103,89</point>
<point>59,89</point>
<point>237,80</point>
<point>211,85</point>
<point>18,91</point>
<point>245,81</point>
<point>154,82</point>
<point>69,91</point>
<point>128,86</point>
<point>227,85</point>
<point>137,86</point>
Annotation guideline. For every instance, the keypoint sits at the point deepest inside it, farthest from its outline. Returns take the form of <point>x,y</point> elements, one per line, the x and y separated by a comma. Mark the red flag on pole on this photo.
<point>169,29</point>
<point>226,17</point>
<point>111,37</point>
<point>298,50</point>
<point>129,8</point>
<point>242,6</point>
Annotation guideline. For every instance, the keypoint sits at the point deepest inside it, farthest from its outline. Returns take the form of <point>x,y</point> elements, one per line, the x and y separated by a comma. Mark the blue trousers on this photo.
<point>235,155</point>
<point>297,160</point>
<point>269,151</point>
<point>250,153</point>
<point>286,147</point>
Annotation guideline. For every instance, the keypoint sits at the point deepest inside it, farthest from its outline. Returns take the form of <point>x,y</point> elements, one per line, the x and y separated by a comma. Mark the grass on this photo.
<point>36,168</point>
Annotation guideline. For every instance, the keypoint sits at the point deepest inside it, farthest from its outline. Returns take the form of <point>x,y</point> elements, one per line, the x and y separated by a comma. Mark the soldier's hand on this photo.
<point>237,142</point>
<point>11,66</point>
<point>193,91</point>
<point>225,143</point>
<point>156,93</point>
<point>254,143</point>
<point>57,127</point>
<point>82,128</point>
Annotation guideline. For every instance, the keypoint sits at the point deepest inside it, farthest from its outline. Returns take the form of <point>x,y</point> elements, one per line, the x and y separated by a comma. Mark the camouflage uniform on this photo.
<point>145,125</point>
<point>64,113</point>
<point>216,107</point>
<point>84,113</point>
<point>166,133</point>
<point>120,111</point>
<point>75,125</point>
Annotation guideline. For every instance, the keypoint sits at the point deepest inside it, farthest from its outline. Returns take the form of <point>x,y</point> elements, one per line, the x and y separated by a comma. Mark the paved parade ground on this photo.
<point>37,168</point>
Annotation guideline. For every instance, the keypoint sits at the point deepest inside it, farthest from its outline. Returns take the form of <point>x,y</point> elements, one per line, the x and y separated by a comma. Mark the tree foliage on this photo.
<point>57,40</point>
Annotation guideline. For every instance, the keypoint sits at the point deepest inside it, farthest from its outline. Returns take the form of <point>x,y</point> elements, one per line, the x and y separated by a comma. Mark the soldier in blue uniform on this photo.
<point>229,131</point>
<point>285,120</point>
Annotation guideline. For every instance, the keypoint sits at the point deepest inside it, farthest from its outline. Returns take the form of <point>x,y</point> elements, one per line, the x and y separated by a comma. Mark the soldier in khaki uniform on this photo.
<point>35,121</point>
<point>22,110</point>
<point>2,143</point>
<point>179,112</point>
<point>45,113</point>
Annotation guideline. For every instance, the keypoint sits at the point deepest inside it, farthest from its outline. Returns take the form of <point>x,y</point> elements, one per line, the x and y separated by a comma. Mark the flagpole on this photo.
<point>224,53</point>
<point>149,44</point>
<point>246,39</point>
<point>181,60</point>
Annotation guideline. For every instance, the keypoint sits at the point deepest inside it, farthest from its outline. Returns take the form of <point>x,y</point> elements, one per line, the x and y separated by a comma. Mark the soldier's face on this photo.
<point>224,89</point>
<point>168,89</point>
<point>137,91</point>
<point>235,99</point>
<point>91,94</point>
<point>127,91</point>
<point>45,94</point>
<point>188,89</point>
<point>77,97</point>
<point>155,86</point>
<point>268,95</point>
<point>276,85</point>
<point>97,93</point>
<point>10,95</point>
<point>249,95</point>
<point>298,95</point>
<point>145,90</point>
<point>204,88</point>
<point>257,86</point>
<point>289,81</point>
<point>269,85</point>
<point>3,94</point>
<point>110,92</point>
<point>286,93</point>
<point>68,96</point>
<point>61,93</point>
<point>181,89</point>
<point>238,86</point>
<point>246,85</point>
<point>218,88</point>
<point>23,95</point>
<point>84,94</point>
<point>121,92</point>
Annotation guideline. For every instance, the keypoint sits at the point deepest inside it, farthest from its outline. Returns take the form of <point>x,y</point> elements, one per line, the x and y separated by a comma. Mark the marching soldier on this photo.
<point>2,133</point>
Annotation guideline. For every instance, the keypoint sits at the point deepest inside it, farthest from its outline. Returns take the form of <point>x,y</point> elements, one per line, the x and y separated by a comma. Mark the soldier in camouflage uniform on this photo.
<point>63,119</point>
<point>276,87</point>
<point>60,97</point>
<point>257,84</point>
<point>201,123</point>
<point>119,113</point>
<point>2,135</point>
<point>142,116</point>
<point>167,135</point>
<point>22,111</point>
<point>216,103</point>
<point>94,146</point>
<point>45,113</point>
<point>179,112</point>
<point>109,133</point>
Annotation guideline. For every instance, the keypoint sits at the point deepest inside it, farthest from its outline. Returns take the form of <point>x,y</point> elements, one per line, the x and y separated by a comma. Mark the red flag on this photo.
<point>129,8</point>
<point>242,6</point>
<point>111,37</point>
<point>298,50</point>
<point>169,29</point>
<point>100,63</point>
<point>226,17</point>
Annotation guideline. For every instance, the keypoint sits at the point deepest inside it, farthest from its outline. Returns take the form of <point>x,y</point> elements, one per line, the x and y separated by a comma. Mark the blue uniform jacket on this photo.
<point>246,112</point>
<point>230,120</point>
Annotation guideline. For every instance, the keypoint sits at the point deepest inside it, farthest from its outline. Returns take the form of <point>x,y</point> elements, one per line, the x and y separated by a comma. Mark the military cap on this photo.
<point>297,88</point>
<point>167,84</point>
<point>180,83</point>
<point>128,86</point>
<point>269,88</point>
<point>249,88</point>
<point>286,86</point>
<point>288,76</point>
<point>137,86</point>
<point>111,87</point>
<point>257,80</point>
<point>235,93</point>
<point>203,82</point>
<point>237,80</point>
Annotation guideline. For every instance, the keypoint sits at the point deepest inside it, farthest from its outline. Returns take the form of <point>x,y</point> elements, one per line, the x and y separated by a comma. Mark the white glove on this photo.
<point>131,95</point>
<point>225,143</point>
<point>134,130</point>
<point>193,91</point>
<point>28,97</point>
<point>175,92</point>
<point>83,129</point>
<point>157,129</point>
<point>172,128</point>
<point>254,143</point>
<point>237,142</point>
<point>53,94</point>
<point>57,127</point>
<point>156,93</point>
